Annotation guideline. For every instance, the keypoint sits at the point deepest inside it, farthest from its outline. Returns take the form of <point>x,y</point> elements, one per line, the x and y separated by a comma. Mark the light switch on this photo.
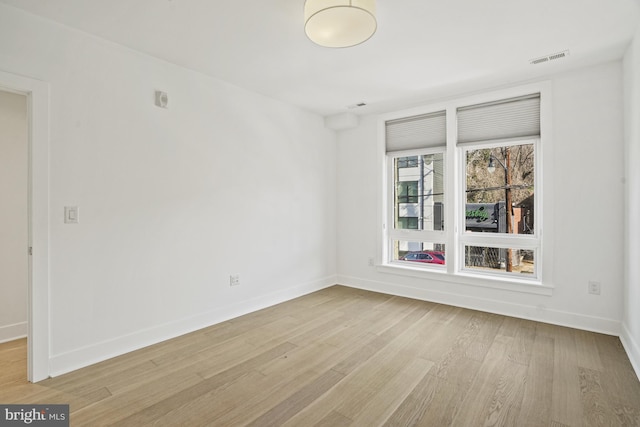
<point>70,214</point>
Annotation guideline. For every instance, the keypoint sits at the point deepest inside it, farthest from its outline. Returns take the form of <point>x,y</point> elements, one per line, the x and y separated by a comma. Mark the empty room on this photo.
<point>320,213</point>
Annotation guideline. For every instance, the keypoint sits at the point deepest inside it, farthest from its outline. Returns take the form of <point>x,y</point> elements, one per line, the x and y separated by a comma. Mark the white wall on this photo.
<point>13,216</point>
<point>585,200</point>
<point>171,201</point>
<point>631,320</point>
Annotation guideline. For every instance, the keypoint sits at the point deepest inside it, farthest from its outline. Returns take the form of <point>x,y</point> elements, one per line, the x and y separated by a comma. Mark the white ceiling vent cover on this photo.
<point>548,58</point>
<point>358,105</point>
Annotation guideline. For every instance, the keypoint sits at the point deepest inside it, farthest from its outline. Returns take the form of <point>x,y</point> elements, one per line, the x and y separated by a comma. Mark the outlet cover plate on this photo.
<point>594,287</point>
<point>234,280</point>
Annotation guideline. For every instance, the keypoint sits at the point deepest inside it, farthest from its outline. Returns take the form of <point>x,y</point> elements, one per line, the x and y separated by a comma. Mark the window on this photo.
<point>492,199</point>
<point>417,189</point>
<point>418,196</point>
<point>498,143</point>
<point>500,200</point>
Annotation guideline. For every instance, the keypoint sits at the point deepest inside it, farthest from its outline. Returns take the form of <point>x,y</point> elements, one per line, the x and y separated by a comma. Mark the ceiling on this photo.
<point>423,49</point>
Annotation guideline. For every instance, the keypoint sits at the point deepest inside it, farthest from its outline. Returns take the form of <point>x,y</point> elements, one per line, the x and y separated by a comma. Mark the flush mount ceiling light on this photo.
<point>339,23</point>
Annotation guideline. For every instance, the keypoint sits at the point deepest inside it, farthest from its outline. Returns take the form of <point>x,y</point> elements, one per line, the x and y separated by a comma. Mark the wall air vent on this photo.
<point>548,58</point>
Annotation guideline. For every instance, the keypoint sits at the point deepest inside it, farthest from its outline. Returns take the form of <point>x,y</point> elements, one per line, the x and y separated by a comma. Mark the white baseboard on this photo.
<point>13,332</point>
<point>79,358</point>
<point>632,347</point>
<point>556,317</point>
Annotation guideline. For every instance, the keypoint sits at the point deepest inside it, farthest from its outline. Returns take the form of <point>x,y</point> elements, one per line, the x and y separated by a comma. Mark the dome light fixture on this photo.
<point>339,23</point>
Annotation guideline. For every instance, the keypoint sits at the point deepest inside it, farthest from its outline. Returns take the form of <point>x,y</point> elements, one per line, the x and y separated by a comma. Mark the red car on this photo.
<point>430,257</point>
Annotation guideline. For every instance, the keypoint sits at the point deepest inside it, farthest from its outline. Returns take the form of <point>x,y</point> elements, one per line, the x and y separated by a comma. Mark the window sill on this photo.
<point>465,278</point>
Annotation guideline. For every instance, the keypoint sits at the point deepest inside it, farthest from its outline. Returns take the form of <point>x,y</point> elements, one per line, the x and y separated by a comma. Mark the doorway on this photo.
<point>14,221</point>
<point>36,94</point>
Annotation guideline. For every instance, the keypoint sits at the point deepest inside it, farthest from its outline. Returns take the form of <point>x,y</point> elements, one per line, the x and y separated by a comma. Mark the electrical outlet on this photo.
<point>371,262</point>
<point>234,280</point>
<point>594,288</point>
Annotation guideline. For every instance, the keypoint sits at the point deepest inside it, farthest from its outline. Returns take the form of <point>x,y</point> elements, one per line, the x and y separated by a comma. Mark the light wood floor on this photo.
<point>345,357</point>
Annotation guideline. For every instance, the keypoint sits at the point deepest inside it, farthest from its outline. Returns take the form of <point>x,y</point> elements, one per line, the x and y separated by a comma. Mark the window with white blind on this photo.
<point>498,143</point>
<point>464,190</point>
<point>416,160</point>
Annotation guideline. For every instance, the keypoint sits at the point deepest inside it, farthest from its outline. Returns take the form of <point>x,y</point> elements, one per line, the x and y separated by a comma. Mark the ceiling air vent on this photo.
<point>549,57</point>
<point>358,105</point>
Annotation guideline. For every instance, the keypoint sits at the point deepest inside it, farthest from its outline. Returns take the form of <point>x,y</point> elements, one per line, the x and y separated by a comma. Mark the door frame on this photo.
<point>38,339</point>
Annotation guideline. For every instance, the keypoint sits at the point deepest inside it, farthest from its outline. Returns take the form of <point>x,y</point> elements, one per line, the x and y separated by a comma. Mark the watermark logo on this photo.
<point>34,415</point>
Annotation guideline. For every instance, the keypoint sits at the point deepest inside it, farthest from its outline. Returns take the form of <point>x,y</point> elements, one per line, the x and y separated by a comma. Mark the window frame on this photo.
<point>542,284</point>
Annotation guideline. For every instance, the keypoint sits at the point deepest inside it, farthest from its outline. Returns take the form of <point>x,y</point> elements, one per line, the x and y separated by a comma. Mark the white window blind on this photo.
<point>506,119</point>
<point>426,130</point>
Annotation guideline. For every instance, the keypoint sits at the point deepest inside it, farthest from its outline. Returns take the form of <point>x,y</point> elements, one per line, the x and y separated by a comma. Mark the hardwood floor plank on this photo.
<point>535,410</point>
<point>114,383</point>
<point>122,409</point>
<point>596,412</point>
<point>212,360</point>
<point>334,419</point>
<point>524,335</point>
<point>298,401</point>
<point>440,340</point>
<point>320,330</point>
<point>361,384</point>
<point>415,311</point>
<point>286,374</point>
<point>566,405</point>
<point>205,409</point>
<point>618,382</point>
<point>496,391</point>
<point>587,350</point>
<point>433,402</point>
<point>161,408</point>
<point>454,365</point>
<point>347,365</point>
<point>256,398</point>
<point>413,408</point>
<point>389,396</point>
<point>207,339</point>
<point>319,357</point>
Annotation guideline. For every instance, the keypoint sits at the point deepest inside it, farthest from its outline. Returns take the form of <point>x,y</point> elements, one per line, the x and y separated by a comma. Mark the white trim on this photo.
<point>98,352</point>
<point>13,332</point>
<point>632,348</point>
<point>382,250</point>
<point>529,312</point>
<point>452,209</point>
<point>494,281</point>
<point>416,152</point>
<point>38,334</point>
<point>499,240</point>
